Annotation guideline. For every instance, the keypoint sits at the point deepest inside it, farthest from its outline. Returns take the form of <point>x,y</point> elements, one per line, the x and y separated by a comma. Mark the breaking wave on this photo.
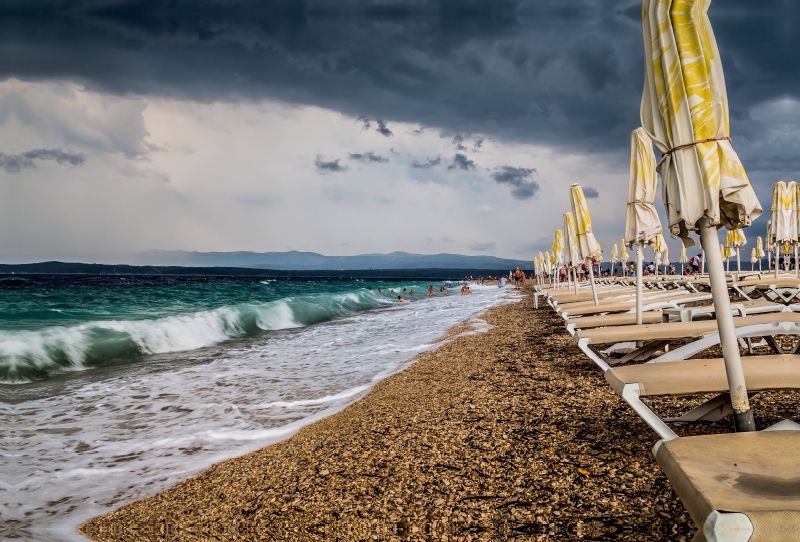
<point>29,355</point>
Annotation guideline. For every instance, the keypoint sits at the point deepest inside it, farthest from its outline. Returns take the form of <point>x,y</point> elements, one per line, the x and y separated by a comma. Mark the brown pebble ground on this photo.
<point>507,434</point>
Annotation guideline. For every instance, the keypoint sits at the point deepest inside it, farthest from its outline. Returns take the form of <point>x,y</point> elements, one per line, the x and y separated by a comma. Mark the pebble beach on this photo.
<point>505,434</point>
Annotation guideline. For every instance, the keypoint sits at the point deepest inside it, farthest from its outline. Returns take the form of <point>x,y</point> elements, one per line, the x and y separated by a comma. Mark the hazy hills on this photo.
<point>295,260</point>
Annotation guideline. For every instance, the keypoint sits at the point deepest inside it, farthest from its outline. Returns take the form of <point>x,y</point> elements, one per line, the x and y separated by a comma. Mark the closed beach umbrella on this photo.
<point>558,251</point>
<point>614,257</point>
<point>587,245</point>
<point>753,258</point>
<point>665,258</point>
<point>784,214</point>
<point>684,259</point>
<point>623,255</point>
<point>571,257</point>
<point>759,251</point>
<point>738,240</point>
<point>685,112</point>
<point>770,245</point>
<point>642,225</point>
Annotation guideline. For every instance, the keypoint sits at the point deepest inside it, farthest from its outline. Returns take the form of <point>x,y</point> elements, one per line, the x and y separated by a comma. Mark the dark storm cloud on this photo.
<point>367,157</point>
<point>383,129</point>
<point>520,179</point>
<point>567,74</point>
<point>462,162</point>
<point>331,166</point>
<point>590,193</point>
<point>428,163</point>
<point>14,163</point>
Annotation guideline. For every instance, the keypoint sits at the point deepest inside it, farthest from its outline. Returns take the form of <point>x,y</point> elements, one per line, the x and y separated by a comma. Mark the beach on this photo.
<point>509,433</point>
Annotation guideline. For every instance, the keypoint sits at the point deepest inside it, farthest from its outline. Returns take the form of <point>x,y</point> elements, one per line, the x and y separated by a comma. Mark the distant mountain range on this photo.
<point>305,261</point>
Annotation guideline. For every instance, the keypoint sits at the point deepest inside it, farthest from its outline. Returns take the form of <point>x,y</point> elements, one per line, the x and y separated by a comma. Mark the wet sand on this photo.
<point>507,434</point>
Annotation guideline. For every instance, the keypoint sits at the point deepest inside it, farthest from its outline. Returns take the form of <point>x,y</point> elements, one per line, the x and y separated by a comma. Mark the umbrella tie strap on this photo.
<point>692,144</point>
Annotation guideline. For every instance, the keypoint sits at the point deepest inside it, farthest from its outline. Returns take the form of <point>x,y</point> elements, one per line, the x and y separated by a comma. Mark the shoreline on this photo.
<point>490,434</point>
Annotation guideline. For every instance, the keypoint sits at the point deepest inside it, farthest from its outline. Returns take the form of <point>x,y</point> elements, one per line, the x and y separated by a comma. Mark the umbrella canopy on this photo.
<point>641,221</point>
<point>685,112</point>
<point>738,240</point>
<point>665,255</point>
<point>548,263</point>
<point>753,256</point>
<point>759,248</point>
<point>614,254</point>
<point>684,259</point>
<point>623,253</point>
<point>784,213</point>
<point>769,237</point>
<point>587,245</point>
<point>659,243</point>
<point>571,256</point>
<point>558,245</point>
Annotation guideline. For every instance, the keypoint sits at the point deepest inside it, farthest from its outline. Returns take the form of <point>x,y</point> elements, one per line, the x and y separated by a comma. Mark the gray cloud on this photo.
<point>14,163</point>
<point>487,65</point>
<point>483,247</point>
<point>383,129</point>
<point>519,178</point>
<point>590,192</point>
<point>367,157</point>
<point>331,166</point>
<point>458,141</point>
<point>365,124</point>
<point>462,162</point>
<point>447,240</point>
<point>428,163</point>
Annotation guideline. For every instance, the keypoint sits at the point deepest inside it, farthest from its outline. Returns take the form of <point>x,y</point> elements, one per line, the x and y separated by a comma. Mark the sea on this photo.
<point>114,387</point>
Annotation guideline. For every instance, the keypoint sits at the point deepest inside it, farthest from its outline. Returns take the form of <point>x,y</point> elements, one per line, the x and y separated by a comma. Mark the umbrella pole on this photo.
<point>591,279</point>
<point>742,414</point>
<point>639,260</point>
<point>796,267</point>
<point>575,278</point>
<point>738,261</point>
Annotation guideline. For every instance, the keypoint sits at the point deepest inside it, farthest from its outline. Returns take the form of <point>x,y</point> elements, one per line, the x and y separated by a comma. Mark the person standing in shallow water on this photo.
<point>431,293</point>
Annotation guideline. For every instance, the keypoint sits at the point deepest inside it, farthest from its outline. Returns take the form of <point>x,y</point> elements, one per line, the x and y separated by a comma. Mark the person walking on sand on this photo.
<point>517,277</point>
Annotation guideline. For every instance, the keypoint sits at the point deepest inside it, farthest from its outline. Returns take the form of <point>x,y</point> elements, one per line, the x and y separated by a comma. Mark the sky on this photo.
<point>348,127</point>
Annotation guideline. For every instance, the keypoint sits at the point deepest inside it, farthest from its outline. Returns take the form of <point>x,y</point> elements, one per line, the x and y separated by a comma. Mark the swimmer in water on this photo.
<point>400,299</point>
<point>411,292</point>
<point>379,290</point>
<point>430,291</point>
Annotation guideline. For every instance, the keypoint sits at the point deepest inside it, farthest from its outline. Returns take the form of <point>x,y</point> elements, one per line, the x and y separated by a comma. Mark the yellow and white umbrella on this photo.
<point>770,246</point>
<point>753,258</point>
<point>784,225</point>
<point>683,259</point>
<point>665,258</point>
<point>642,225</point>
<point>623,257</point>
<point>685,112</point>
<point>759,251</point>
<point>587,245</point>
<point>614,257</point>
<point>641,221</point>
<point>738,240</point>
<point>558,252</point>
<point>571,256</point>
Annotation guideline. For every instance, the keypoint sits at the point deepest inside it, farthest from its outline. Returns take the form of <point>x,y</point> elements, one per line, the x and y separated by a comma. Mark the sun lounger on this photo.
<point>606,320</point>
<point>703,335</point>
<point>696,376</point>
<point>740,486</point>
<point>667,299</point>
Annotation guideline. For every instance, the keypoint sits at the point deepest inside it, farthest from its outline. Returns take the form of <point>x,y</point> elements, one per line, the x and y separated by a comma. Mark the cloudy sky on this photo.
<point>348,127</point>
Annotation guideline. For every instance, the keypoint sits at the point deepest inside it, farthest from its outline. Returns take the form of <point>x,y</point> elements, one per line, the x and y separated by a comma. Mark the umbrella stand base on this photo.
<point>744,421</point>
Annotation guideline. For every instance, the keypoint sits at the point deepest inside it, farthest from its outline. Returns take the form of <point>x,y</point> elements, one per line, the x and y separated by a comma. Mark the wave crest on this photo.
<point>29,355</point>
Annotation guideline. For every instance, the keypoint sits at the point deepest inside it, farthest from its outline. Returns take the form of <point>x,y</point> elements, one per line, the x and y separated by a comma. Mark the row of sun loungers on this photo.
<point>738,486</point>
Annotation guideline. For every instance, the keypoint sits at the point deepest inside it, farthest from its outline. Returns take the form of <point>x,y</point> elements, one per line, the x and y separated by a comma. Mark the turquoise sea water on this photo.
<point>115,387</point>
<point>53,324</point>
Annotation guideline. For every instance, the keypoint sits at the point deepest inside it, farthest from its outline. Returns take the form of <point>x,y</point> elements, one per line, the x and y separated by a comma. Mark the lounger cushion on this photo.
<point>693,376</point>
<point>678,330</point>
<point>756,474</point>
<point>626,318</point>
